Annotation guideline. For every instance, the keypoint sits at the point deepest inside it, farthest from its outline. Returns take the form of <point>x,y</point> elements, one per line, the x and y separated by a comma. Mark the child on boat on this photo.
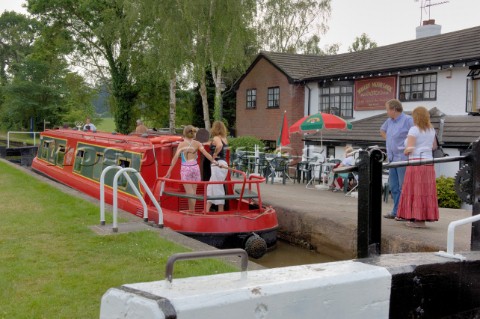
<point>189,171</point>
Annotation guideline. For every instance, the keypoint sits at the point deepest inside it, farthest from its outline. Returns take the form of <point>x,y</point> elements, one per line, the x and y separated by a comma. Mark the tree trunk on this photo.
<point>203,94</point>
<point>173,105</point>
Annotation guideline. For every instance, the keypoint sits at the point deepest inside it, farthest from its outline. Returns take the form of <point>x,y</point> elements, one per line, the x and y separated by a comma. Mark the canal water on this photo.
<point>289,255</point>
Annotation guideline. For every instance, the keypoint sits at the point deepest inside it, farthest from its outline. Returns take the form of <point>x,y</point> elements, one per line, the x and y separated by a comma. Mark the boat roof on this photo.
<point>115,139</point>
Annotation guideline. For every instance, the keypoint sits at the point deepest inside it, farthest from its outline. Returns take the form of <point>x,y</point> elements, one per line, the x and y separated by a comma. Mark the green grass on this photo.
<point>53,266</point>
<point>107,124</point>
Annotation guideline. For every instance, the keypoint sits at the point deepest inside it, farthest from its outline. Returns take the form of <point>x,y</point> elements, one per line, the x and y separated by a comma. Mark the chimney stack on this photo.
<point>428,29</point>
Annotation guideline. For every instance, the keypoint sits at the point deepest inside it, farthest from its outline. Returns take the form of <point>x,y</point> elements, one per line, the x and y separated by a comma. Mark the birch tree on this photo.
<point>293,26</point>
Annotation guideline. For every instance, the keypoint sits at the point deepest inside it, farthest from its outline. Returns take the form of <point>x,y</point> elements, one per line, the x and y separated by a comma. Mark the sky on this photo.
<point>384,21</point>
<point>392,21</point>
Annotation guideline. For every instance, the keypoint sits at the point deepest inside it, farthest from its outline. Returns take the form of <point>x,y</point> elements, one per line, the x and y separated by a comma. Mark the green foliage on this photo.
<point>244,143</point>
<point>292,25</point>
<point>362,43</point>
<point>447,197</point>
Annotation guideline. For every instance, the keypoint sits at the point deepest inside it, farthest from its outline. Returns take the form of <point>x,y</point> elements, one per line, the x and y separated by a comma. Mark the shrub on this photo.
<point>244,143</point>
<point>447,197</point>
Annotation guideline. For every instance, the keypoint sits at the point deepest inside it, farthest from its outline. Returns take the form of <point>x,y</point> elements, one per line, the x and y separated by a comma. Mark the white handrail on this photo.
<point>17,132</point>
<point>102,192</point>
<point>145,186</point>
<point>123,171</point>
<point>451,237</point>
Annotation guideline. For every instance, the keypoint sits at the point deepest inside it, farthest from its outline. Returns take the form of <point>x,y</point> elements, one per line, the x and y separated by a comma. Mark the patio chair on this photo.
<point>261,165</point>
<point>279,165</point>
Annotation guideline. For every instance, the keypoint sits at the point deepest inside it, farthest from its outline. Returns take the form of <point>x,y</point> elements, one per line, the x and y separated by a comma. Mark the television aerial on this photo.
<point>428,4</point>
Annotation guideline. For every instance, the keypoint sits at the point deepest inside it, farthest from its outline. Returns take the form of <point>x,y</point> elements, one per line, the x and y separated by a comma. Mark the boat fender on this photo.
<point>164,139</point>
<point>255,246</point>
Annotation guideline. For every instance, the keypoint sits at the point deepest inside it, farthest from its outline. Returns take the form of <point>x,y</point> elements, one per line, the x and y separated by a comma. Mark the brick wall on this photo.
<point>262,122</point>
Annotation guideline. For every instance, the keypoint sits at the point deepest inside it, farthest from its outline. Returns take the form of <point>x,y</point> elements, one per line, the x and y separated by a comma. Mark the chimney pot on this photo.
<point>429,22</point>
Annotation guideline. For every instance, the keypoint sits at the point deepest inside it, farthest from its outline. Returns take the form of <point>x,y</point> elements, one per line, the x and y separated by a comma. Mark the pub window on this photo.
<point>422,87</point>
<point>251,98</point>
<point>473,95</point>
<point>337,98</point>
<point>273,96</point>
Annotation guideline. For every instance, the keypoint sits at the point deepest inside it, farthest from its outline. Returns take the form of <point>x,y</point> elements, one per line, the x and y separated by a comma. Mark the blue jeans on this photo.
<point>395,182</point>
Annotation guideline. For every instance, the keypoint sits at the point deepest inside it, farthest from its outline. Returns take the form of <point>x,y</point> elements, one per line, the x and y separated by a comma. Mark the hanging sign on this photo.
<point>371,94</point>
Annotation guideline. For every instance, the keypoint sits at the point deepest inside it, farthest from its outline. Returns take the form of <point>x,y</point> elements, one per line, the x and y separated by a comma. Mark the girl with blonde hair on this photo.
<point>187,150</point>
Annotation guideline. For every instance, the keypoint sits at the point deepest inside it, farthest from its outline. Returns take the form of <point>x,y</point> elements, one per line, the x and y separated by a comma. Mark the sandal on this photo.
<point>415,225</point>
<point>400,219</point>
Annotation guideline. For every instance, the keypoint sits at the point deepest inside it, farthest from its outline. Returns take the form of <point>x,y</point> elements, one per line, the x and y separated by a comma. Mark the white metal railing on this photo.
<point>17,132</point>
<point>451,237</point>
<point>123,171</point>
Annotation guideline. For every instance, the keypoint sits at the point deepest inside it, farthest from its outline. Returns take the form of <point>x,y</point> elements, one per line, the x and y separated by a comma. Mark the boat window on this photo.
<point>60,155</point>
<point>79,160</point>
<point>98,166</point>
<point>51,152</point>
<point>45,147</point>
<point>124,163</point>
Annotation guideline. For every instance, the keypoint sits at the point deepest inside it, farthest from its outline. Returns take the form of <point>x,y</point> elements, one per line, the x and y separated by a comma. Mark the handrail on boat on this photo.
<point>251,179</point>
<point>115,138</point>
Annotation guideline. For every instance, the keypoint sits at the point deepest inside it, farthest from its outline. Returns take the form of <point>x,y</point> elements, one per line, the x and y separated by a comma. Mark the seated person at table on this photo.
<point>347,161</point>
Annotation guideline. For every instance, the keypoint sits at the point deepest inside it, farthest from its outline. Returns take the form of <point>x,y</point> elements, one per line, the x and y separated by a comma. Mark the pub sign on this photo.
<point>371,94</point>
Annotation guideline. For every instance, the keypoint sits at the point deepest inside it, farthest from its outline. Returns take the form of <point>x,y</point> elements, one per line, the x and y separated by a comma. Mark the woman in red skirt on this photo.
<point>418,202</point>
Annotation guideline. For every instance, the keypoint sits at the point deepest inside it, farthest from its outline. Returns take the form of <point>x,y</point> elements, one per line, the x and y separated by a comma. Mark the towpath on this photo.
<point>327,222</point>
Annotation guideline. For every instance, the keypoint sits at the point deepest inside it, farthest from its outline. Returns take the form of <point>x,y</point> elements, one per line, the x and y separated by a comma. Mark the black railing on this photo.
<point>369,166</point>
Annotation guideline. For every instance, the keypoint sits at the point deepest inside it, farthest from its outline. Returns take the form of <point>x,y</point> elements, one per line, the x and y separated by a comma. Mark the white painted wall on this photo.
<point>345,289</point>
<point>451,100</point>
<point>451,95</point>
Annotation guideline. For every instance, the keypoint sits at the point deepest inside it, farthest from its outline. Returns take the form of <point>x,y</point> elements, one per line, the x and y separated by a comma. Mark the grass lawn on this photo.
<point>107,124</point>
<point>53,266</point>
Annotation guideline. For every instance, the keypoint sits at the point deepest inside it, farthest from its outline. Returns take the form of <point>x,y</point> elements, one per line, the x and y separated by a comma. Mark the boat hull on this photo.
<point>242,221</point>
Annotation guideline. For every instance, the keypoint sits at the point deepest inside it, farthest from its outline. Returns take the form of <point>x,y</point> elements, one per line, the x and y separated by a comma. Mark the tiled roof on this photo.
<point>458,131</point>
<point>440,51</point>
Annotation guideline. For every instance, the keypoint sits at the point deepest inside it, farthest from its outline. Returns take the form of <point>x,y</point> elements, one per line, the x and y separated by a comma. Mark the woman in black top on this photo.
<point>218,149</point>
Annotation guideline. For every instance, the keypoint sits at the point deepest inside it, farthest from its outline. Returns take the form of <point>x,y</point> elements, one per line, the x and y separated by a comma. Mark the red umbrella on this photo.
<point>284,138</point>
<point>319,122</point>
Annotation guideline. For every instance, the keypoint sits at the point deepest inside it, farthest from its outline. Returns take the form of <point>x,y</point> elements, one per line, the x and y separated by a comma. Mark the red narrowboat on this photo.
<point>77,158</point>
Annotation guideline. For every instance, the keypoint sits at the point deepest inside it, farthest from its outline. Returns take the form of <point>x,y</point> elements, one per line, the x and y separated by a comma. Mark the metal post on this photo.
<point>375,213</point>
<point>369,203</point>
<point>362,210</point>
<point>475,236</point>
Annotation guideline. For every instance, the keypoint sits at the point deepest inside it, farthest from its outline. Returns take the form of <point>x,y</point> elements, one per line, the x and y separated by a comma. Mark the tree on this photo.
<point>220,33</point>
<point>17,34</point>
<point>106,35</point>
<point>292,25</point>
<point>362,43</point>
<point>35,93</point>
